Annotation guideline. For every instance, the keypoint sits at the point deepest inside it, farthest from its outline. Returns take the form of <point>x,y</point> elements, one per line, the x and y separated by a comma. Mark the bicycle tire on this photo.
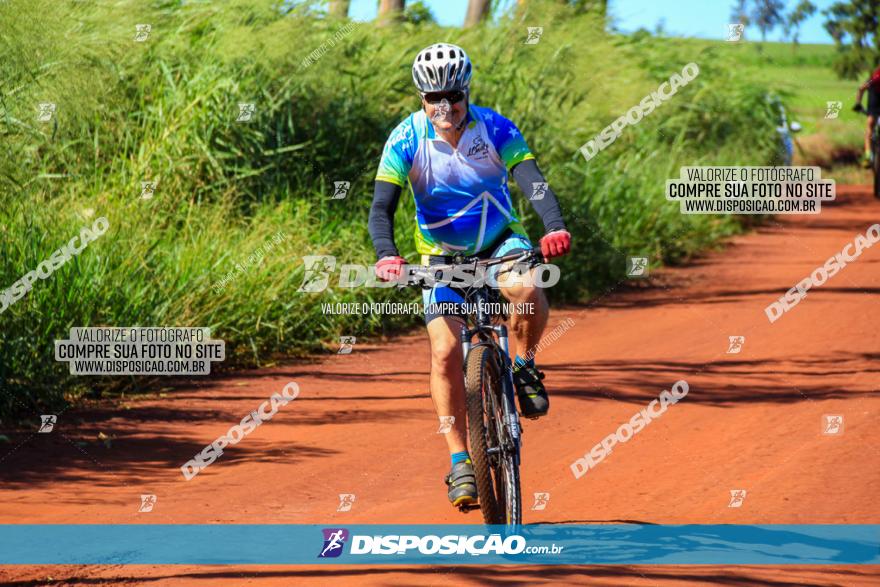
<point>513,507</point>
<point>481,371</point>
<point>507,479</point>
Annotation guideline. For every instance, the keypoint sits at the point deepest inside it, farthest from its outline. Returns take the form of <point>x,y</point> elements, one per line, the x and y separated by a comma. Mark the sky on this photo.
<point>690,18</point>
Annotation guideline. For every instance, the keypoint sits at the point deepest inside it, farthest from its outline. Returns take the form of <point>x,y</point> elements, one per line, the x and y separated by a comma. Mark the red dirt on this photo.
<point>364,424</point>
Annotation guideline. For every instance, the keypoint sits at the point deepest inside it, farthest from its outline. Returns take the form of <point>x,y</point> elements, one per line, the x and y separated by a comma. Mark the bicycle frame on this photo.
<point>503,434</point>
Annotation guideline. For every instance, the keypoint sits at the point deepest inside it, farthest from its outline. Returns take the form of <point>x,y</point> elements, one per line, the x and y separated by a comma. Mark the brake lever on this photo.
<point>528,255</point>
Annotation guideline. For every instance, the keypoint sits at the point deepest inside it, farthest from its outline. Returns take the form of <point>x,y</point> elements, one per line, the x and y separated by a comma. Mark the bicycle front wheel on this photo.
<point>482,387</point>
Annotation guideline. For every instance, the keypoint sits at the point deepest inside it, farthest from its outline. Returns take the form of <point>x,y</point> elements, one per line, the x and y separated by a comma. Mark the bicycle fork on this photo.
<point>511,418</point>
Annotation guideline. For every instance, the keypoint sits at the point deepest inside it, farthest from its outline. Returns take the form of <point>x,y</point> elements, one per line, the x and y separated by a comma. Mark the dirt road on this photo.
<point>364,425</point>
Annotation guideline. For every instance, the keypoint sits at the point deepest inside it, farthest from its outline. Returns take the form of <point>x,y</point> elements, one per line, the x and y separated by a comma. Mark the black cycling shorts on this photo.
<point>873,102</point>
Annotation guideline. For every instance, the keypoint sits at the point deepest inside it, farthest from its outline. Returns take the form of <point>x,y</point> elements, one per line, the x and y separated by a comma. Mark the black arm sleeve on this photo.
<point>381,223</point>
<point>527,173</point>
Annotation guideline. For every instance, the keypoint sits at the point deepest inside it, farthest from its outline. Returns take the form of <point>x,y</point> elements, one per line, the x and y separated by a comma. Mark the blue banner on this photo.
<point>617,544</point>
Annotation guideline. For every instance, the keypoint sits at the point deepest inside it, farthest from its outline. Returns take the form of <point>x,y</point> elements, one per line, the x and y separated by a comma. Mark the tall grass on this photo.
<point>165,110</point>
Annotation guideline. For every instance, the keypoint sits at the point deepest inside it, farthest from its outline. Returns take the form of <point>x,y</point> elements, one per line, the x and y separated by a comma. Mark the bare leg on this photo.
<point>447,378</point>
<point>526,326</point>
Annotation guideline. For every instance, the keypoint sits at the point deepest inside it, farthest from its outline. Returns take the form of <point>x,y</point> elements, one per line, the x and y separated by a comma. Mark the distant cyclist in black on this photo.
<point>873,88</point>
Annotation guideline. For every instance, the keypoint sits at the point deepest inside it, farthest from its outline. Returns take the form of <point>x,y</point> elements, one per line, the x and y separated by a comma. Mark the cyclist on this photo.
<point>455,157</point>
<point>873,88</point>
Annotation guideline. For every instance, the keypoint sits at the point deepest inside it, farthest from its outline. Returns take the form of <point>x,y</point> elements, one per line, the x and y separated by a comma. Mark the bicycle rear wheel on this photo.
<point>482,387</point>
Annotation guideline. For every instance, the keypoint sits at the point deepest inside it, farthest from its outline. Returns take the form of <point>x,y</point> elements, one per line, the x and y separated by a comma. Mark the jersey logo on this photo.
<point>402,134</point>
<point>479,149</point>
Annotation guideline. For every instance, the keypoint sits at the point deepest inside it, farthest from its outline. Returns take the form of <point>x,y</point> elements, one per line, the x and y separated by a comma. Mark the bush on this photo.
<point>326,95</point>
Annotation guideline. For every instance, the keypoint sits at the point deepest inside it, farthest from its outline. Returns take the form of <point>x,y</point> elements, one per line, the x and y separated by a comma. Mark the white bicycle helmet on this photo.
<point>442,67</point>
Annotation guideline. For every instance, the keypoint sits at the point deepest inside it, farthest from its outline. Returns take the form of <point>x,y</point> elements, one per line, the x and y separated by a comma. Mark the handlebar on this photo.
<point>418,274</point>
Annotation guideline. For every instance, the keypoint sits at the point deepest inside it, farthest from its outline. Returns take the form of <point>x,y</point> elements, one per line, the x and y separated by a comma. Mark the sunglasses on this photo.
<point>437,97</point>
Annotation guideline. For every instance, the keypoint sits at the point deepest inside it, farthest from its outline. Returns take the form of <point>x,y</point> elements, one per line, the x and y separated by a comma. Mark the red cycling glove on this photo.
<point>388,268</point>
<point>555,244</point>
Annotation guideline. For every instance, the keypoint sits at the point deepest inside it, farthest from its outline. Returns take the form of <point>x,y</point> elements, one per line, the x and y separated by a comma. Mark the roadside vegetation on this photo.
<point>165,111</point>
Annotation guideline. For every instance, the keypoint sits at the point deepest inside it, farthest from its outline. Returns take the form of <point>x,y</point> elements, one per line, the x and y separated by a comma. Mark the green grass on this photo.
<point>803,75</point>
<point>165,110</point>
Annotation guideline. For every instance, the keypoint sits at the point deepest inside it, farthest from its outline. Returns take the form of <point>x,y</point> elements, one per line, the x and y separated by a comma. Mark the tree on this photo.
<point>855,28</point>
<point>767,14</point>
<point>418,13</point>
<point>390,11</point>
<point>804,10</point>
<point>600,6</point>
<point>339,8</point>
<point>581,6</point>
<point>477,11</point>
<point>740,12</point>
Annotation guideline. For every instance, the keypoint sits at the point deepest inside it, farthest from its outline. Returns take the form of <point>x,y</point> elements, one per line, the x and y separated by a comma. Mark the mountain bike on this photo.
<point>494,429</point>
<point>875,147</point>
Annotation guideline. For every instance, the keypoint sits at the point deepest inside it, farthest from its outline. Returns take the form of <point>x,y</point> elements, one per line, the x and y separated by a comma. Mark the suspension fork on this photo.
<point>511,418</point>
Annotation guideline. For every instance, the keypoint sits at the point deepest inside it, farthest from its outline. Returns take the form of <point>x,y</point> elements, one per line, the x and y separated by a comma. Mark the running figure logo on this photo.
<point>148,188</point>
<point>446,424</point>
<point>142,32</point>
<point>147,503</point>
<point>832,424</point>
<point>638,267</point>
<point>346,344</point>
<point>334,539</point>
<point>541,500</point>
<point>346,500</point>
<point>340,190</point>
<point>245,112</point>
<point>737,497</point>
<point>317,272</point>
<point>832,109</point>
<point>441,111</point>
<point>735,31</point>
<point>736,344</point>
<point>47,109</point>
<point>534,35</point>
<point>47,423</point>
<point>539,190</point>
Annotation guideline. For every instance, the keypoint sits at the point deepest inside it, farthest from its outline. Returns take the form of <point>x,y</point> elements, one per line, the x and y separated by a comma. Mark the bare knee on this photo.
<point>519,293</point>
<point>526,293</point>
<point>446,355</point>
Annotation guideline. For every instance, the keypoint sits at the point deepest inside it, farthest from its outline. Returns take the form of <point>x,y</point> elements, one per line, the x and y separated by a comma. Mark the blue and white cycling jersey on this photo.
<point>461,196</point>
